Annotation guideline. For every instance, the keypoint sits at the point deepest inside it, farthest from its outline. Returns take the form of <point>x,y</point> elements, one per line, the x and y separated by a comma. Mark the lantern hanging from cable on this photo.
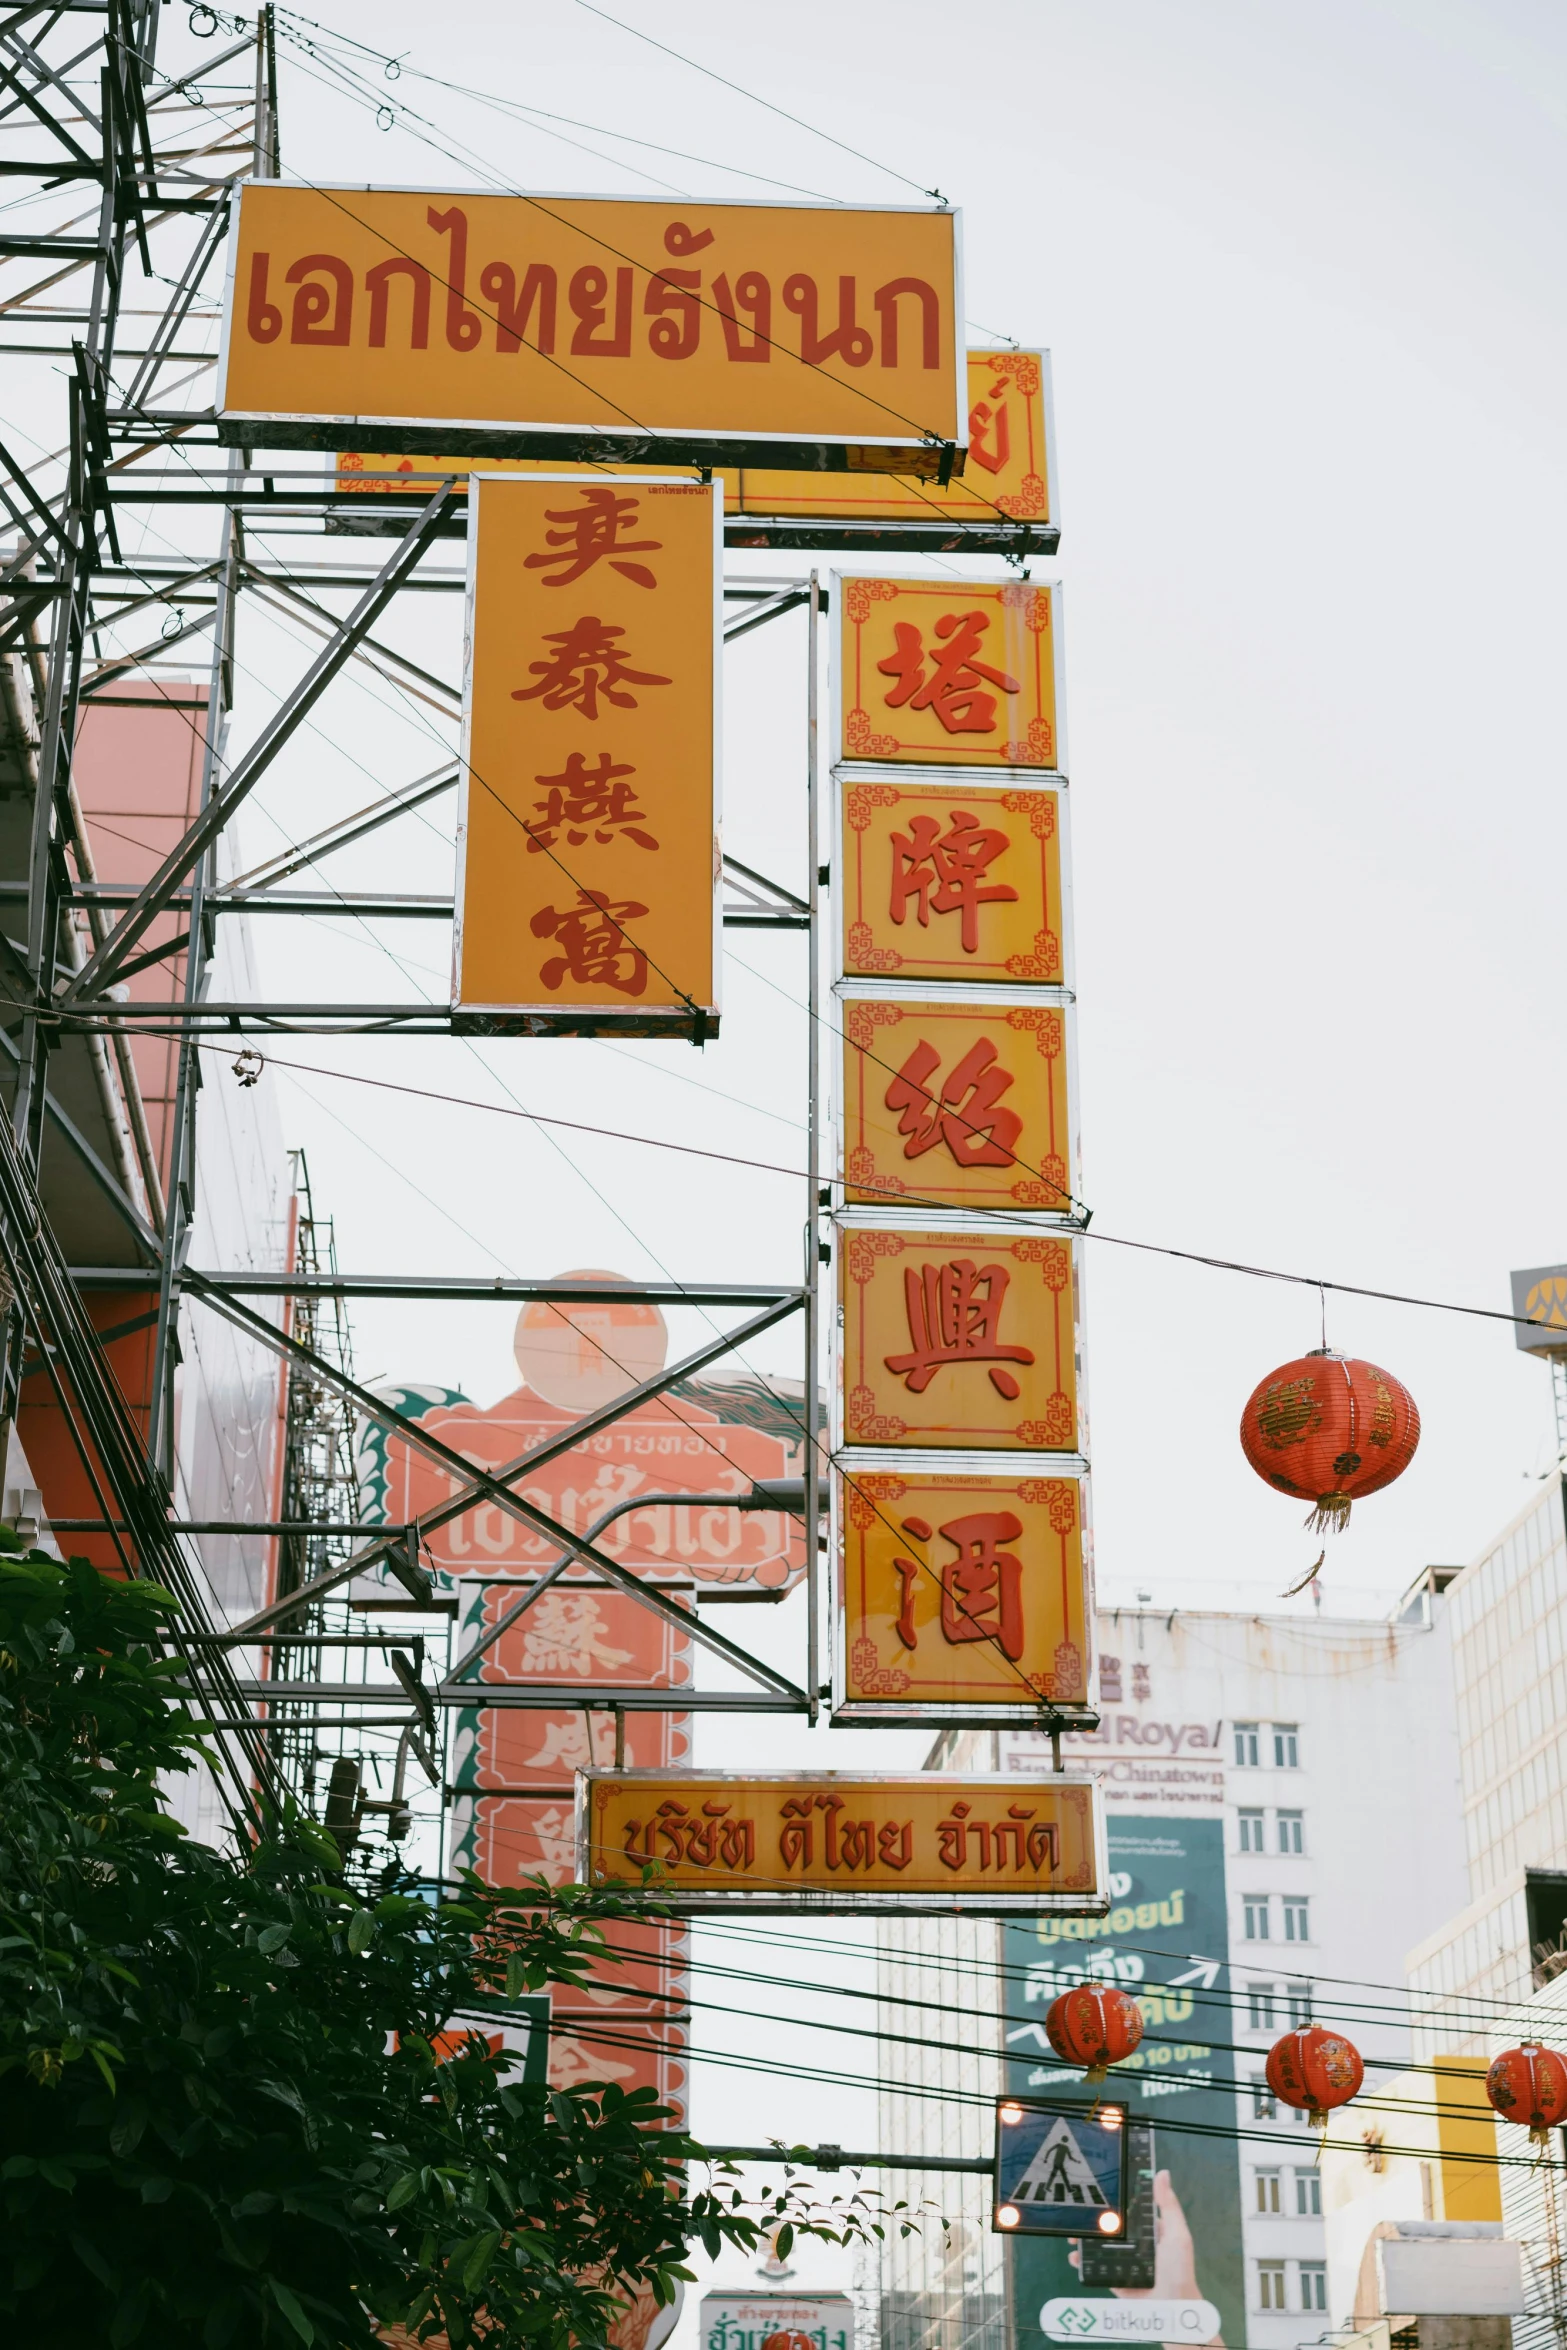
<point>1313,2071</point>
<point>1094,2025</point>
<point>1330,1429</point>
<point>1528,2085</point>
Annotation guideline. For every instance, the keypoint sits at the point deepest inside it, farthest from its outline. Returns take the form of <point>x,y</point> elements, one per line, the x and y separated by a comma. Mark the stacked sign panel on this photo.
<point>962,1533</point>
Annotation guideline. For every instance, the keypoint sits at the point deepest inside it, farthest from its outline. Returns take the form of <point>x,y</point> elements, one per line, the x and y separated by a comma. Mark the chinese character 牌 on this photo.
<point>954,1313</point>
<point>944,873</point>
<point>955,685</point>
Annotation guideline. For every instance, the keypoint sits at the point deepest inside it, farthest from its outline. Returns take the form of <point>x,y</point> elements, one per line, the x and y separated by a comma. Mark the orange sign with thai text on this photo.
<point>949,672</point>
<point>587,853</point>
<point>963,1104</point>
<point>837,1839</point>
<point>1007,478</point>
<point>960,1340</point>
<point>961,1597</point>
<point>793,333</point>
<point>951,881</point>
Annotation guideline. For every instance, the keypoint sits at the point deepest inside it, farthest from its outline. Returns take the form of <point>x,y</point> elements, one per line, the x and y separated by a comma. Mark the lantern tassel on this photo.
<point>1540,2137</point>
<point>1094,2075</point>
<point>1331,1514</point>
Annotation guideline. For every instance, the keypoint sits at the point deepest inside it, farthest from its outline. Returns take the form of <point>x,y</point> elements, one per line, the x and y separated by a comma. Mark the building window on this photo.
<point>1263,2105</point>
<point>1251,1831</point>
<point>1270,2284</point>
<point>1246,1745</point>
<point>1299,1997</point>
<point>1292,1831</point>
<point>1296,1921</point>
<point>1255,1908</point>
<point>1259,2007</point>
<point>1268,2191</point>
<point>1308,2204</point>
<point>1286,1746</point>
<point>1314,2284</point>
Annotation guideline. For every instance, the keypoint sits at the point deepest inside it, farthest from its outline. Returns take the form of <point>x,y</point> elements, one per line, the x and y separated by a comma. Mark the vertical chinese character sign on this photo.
<point>963,1559</point>
<point>588,851</point>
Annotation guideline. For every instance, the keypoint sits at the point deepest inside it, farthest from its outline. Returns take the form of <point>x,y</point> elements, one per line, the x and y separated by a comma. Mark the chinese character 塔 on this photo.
<point>955,686</point>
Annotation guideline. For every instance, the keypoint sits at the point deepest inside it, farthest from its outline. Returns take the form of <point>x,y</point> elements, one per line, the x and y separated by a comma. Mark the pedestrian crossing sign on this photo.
<point>1059,2169</point>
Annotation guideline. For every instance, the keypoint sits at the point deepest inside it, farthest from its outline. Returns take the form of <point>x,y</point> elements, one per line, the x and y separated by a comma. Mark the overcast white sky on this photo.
<point>1301,273</point>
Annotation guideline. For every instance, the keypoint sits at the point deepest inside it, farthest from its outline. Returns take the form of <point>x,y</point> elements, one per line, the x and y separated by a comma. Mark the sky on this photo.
<point>1300,272</point>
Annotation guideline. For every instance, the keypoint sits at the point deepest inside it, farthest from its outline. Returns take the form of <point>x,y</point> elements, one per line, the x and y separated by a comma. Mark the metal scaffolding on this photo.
<point>120,170</point>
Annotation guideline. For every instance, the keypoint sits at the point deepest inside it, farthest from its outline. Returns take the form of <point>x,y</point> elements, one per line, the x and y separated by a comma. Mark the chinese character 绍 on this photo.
<point>964,1115</point>
<point>592,533</point>
<point>981,1589</point>
<point>595,949</point>
<point>945,873</point>
<point>588,663</point>
<point>955,686</point>
<point>954,1315</point>
<point>586,799</point>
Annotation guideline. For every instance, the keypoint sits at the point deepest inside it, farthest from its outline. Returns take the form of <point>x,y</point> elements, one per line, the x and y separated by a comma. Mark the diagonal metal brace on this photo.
<point>102,965</point>
<point>480,1485</point>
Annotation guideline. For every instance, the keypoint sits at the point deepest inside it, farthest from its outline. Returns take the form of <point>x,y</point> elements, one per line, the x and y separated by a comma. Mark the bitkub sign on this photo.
<point>949,673</point>
<point>590,328</point>
<point>840,1840</point>
<point>962,1599</point>
<point>588,857</point>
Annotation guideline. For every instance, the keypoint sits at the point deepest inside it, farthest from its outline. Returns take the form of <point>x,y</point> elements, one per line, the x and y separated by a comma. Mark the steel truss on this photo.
<point>142,159</point>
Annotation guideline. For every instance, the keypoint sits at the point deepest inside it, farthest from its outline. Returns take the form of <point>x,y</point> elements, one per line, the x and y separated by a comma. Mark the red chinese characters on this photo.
<point>944,873</point>
<point>981,1589</point>
<point>963,1116</point>
<point>947,677</point>
<point>954,1312</point>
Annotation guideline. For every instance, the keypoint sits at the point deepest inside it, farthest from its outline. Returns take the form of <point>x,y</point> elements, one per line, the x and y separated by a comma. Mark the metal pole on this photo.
<point>813,1663</point>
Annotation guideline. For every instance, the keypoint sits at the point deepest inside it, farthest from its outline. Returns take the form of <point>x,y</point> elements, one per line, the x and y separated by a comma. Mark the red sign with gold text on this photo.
<point>959,1340</point>
<point>949,673</point>
<point>962,1104</point>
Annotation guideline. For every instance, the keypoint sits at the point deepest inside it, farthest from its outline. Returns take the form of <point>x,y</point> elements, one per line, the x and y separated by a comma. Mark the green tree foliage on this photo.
<point>222,2113</point>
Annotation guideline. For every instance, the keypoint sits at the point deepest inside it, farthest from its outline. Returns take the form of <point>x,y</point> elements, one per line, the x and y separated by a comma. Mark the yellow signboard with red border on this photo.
<point>949,673</point>
<point>844,1840</point>
<point>583,327</point>
<point>962,1103</point>
<point>958,1341</point>
<point>588,856</point>
<point>951,881</point>
<point>962,1599</point>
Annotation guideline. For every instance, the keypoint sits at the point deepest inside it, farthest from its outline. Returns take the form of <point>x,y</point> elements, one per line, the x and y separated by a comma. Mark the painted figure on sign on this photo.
<point>584,799</point>
<point>944,873</point>
<point>981,1589</point>
<point>592,534</point>
<point>954,686</point>
<point>964,1115</point>
<point>595,948</point>
<point>588,662</point>
<point>954,1313</point>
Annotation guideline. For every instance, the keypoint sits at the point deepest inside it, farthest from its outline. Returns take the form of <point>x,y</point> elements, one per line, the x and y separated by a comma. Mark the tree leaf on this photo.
<point>403,2190</point>
<point>361,1932</point>
<point>291,2310</point>
<point>272,1938</point>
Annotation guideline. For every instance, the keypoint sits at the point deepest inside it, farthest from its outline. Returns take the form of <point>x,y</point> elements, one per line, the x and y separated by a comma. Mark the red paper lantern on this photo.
<point>1314,2070</point>
<point>1329,1428</point>
<point>1528,2085</point>
<point>1094,2026</point>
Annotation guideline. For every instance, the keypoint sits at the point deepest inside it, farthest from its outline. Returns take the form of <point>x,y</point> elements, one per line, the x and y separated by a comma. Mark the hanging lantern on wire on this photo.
<point>1330,1429</point>
<point>1528,2085</point>
<point>1094,2025</point>
<point>1313,2071</point>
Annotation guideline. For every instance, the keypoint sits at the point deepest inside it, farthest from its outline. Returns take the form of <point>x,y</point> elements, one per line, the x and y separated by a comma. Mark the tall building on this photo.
<point>1265,1778</point>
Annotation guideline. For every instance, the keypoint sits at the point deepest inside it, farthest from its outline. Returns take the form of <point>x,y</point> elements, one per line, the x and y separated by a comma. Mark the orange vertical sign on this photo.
<point>951,880</point>
<point>949,673</point>
<point>960,1598</point>
<point>587,855</point>
<point>959,1340</point>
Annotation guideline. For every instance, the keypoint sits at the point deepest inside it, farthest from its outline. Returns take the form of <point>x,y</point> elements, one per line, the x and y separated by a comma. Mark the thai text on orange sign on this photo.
<point>793,329</point>
<point>961,1596</point>
<point>838,1839</point>
<point>587,839</point>
<point>949,673</point>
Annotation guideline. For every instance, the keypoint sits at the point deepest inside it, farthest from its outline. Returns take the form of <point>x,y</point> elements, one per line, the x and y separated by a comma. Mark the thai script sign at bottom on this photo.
<point>776,2321</point>
<point>1139,2320</point>
<point>844,1840</point>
